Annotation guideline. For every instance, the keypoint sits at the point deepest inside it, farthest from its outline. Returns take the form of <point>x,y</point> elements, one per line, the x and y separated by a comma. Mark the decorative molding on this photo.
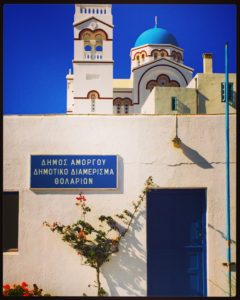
<point>122,101</point>
<point>152,68</point>
<point>77,39</point>
<point>168,82</point>
<point>92,18</point>
<point>159,51</point>
<point>92,32</point>
<point>93,92</point>
<point>101,98</point>
<point>140,54</point>
<point>162,58</point>
<point>157,45</point>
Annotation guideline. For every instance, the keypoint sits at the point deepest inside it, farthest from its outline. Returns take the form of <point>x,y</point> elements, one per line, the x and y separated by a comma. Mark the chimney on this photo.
<point>207,63</point>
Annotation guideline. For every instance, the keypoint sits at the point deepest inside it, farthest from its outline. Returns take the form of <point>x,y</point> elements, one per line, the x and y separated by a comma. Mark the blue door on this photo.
<point>176,242</point>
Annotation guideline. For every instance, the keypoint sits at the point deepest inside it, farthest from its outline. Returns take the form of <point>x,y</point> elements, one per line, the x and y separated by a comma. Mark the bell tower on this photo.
<point>89,88</point>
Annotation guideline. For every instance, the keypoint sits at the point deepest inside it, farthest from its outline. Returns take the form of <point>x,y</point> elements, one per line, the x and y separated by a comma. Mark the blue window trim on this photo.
<point>174,103</point>
<point>230,93</point>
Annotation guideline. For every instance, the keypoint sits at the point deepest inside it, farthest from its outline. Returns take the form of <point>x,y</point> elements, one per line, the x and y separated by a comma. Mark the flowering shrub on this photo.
<point>22,290</point>
<point>97,245</point>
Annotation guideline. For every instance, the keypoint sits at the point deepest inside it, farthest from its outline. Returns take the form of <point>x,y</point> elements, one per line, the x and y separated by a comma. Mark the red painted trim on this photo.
<point>152,45</point>
<point>159,51</point>
<point>92,19</point>
<point>77,39</point>
<point>93,32</point>
<point>140,54</point>
<point>102,98</point>
<point>152,68</point>
<point>122,101</point>
<point>162,58</point>
<point>93,91</point>
<point>156,81</point>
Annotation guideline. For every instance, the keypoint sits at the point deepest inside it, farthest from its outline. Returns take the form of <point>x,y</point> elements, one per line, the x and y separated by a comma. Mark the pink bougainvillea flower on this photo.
<point>6,287</point>
<point>81,234</point>
<point>24,284</point>
<point>80,198</point>
<point>26,295</point>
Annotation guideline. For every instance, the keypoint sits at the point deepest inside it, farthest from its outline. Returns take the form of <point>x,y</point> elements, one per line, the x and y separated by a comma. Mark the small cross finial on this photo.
<point>155,21</point>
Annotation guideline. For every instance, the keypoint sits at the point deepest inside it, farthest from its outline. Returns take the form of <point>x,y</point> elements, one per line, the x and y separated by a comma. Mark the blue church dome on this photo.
<point>156,36</point>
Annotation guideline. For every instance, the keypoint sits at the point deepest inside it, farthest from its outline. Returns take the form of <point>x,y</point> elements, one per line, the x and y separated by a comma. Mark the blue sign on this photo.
<point>73,171</point>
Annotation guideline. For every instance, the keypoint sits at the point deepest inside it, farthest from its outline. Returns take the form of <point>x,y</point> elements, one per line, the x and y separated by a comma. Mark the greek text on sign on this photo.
<point>73,171</point>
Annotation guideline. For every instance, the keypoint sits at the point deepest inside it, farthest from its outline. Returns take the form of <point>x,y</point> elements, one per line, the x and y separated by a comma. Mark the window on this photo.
<point>92,104</point>
<point>93,95</point>
<point>99,48</point>
<point>138,60</point>
<point>87,48</point>
<point>230,92</point>
<point>10,221</point>
<point>174,103</point>
<point>118,109</point>
<point>126,109</point>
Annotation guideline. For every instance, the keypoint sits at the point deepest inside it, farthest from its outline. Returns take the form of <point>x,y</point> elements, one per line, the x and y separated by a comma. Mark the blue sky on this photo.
<point>38,46</point>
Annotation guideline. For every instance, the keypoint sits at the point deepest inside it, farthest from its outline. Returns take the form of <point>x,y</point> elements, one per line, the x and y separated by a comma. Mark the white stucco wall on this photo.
<point>91,76</point>
<point>144,146</point>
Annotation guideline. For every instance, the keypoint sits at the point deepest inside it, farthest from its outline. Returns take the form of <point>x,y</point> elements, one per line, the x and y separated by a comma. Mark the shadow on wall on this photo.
<point>195,157</point>
<point>127,270</point>
<point>221,233</point>
<point>182,108</point>
<point>233,103</point>
<point>202,103</point>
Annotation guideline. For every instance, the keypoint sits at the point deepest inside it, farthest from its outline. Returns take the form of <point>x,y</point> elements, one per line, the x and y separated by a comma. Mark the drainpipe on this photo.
<point>228,224</point>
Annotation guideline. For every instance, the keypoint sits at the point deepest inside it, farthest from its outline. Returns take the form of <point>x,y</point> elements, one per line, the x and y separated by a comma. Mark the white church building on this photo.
<point>176,246</point>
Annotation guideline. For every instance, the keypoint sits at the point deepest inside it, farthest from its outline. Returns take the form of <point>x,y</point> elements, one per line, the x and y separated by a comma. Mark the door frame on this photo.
<point>204,222</point>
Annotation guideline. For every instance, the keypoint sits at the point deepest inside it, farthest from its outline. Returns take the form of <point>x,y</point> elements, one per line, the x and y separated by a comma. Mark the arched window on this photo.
<point>143,57</point>
<point>174,55</point>
<point>93,41</point>
<point>105,11</point>
<point>122,103</point>
<point>151,84</point>
<point>93,95</point>
<point>162,80</point>
<point>138,60</point>
<point>93,11</point>
<point>97,11</point>
<point>89,10</point>
<point>155,55</point>
<point>179,57</point>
